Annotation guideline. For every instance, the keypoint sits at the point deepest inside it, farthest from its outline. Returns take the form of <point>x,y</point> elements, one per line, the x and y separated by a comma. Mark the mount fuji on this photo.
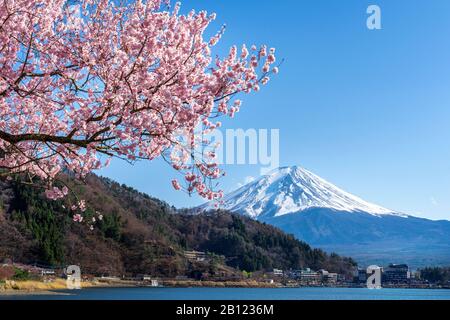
<point>316,211</point>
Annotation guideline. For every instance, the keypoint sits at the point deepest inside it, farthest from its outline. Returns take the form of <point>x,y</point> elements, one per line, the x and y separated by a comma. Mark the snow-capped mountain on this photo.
<point>291,190</point>
<point>325,216</point>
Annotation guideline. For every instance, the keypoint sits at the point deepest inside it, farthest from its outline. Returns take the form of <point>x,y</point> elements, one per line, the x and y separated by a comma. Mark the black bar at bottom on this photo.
<point>199,309</point>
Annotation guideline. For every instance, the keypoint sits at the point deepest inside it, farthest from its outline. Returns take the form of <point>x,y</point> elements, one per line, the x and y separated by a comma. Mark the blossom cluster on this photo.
<point>84,83</point>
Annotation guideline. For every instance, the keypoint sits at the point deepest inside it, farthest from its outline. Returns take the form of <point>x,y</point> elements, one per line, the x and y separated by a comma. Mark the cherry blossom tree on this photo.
<point>84,81</point>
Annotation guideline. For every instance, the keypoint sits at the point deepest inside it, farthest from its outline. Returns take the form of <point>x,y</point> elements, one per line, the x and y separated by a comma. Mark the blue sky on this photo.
<point>367,110</point>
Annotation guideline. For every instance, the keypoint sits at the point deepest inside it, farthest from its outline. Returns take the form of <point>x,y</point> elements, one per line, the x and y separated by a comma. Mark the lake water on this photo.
<point>242,294</point>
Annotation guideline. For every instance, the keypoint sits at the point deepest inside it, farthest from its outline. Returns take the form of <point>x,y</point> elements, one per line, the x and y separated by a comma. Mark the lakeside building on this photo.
<point>310,277</point>
<point>392,274</point>
<point>328,277</point>
<point>396,273</point>
<point>143,277</point>
<point>48,272</point>
<point>195,255</point>
<point>306,275</point>
<point>293,274</point>
<point>277,273</point>
<point>361,275</point>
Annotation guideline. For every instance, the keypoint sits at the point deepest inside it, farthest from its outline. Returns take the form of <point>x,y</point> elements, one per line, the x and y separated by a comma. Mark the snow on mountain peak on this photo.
<point>290,190</point>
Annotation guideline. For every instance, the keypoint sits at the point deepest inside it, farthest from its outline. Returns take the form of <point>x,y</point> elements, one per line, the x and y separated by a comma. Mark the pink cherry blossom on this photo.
<point>56,193</point>
<point>176,185</point>
<point>81,85</point>
<point>77,218</point>
<point>82,205</point>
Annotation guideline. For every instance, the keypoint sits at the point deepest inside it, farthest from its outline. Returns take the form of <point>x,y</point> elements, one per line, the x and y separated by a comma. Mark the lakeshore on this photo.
<point>208,293</point>
<point>13,287</point>
<point>59,286</point>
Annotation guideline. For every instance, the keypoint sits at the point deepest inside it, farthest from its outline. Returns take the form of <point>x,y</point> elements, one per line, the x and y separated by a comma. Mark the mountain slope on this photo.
<point>142,235</point>
<point>314,210</point>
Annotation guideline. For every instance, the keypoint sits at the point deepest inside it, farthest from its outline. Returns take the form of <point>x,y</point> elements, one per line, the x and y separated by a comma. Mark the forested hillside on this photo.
<point>140,234</point>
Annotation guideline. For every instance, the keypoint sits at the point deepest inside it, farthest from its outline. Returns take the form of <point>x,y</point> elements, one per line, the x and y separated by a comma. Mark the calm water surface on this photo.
<point>242,294</point>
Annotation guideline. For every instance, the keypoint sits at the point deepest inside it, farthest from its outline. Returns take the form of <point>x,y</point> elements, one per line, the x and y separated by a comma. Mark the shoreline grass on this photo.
<point>13,287</point>
<point>35,285</point>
